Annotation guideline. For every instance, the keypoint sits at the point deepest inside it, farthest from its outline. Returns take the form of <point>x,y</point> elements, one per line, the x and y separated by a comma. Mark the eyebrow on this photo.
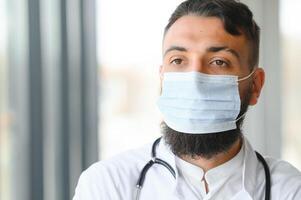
<point>223,48</point>
<point>213,49</point>
<point>175,48</point>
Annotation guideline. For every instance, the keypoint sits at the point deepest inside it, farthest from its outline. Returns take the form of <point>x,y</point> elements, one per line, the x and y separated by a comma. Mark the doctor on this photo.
<point>209,77</point>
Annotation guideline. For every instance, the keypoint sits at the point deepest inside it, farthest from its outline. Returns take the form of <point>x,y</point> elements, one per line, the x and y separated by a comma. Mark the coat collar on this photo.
<point>250,165</point>
<point>250,169</point>
<point>164,152</point>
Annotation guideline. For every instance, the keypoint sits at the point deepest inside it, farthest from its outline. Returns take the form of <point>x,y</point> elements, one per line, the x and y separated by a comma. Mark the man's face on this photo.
<point>201,44</point>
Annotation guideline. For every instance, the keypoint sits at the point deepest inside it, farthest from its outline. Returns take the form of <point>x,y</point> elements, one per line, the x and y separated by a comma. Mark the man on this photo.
<point>209,77</point>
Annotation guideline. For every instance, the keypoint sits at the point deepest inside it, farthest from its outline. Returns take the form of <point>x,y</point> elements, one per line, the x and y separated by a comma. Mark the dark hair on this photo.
<point>236,16</point>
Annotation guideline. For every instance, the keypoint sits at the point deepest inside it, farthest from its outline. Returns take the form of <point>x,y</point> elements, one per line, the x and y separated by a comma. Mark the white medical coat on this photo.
<point>116,178</point>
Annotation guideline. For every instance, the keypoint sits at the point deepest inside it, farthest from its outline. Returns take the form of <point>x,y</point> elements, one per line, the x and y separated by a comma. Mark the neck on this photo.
<point>207,164</point>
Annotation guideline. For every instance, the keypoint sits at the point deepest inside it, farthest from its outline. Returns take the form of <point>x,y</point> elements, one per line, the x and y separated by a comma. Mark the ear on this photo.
<point>258,82</point>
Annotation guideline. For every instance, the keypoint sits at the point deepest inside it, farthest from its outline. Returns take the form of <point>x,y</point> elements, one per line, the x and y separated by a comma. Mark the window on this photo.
<point>291,78</point>
<point>48,97</point>
<point>129,54</point>
<point>5,151</point>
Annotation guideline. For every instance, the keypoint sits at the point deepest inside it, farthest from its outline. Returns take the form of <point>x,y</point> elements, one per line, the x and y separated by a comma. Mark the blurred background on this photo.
<point>79,82</point>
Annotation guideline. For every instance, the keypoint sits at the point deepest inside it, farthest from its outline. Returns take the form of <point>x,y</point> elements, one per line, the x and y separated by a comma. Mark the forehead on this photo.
<point>197,32</point>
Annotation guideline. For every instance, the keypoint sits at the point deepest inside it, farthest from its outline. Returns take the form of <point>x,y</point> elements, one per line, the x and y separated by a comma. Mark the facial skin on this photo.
<point>192,44</point>
<point>201,44</point>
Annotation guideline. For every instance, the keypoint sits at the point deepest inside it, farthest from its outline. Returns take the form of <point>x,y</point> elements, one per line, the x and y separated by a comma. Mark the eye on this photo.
<point>219,63</point>
<point>177,61</point>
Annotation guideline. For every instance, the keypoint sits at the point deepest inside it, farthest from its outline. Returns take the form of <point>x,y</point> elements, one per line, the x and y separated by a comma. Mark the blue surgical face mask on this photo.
<point>197,103</point>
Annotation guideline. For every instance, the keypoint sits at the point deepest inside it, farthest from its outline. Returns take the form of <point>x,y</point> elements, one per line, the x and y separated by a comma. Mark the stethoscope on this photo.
<point>159,161</point>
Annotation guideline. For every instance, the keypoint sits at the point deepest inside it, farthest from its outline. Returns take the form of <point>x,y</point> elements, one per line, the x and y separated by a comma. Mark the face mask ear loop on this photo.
<point>244,78</point>
<point>241,116</point>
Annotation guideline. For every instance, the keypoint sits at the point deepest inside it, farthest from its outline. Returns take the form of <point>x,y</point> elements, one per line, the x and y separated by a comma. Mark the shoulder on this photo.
<point>282,170</point>
<point>285,178</point>
<point>108,178</point>
<point>122,164</point>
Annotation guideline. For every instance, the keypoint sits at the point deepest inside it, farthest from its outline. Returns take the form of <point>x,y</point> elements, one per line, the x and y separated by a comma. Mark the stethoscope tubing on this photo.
<point>155,160</point>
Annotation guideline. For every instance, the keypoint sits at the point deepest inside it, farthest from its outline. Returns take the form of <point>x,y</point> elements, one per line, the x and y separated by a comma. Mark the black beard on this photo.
<point>204,145</point>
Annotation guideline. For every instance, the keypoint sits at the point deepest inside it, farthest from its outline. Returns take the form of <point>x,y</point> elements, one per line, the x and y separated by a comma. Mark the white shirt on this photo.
<point>223,181</point>
<point>116,178</point>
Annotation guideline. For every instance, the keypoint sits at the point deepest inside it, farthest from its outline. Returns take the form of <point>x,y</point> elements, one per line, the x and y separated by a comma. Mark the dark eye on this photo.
<point>177,61</point>
<point>219,63</point>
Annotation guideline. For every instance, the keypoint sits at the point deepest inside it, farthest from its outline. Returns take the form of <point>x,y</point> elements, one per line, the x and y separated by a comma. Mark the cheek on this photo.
<point>245,90</point>
<point>168,68</point>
